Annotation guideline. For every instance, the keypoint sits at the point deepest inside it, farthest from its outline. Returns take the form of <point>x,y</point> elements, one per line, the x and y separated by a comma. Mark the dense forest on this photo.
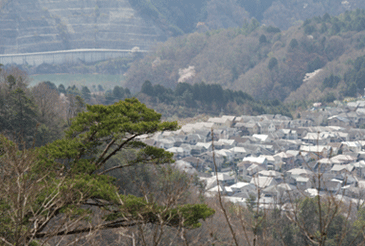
<point>261,60</point>
<point>188,100</point>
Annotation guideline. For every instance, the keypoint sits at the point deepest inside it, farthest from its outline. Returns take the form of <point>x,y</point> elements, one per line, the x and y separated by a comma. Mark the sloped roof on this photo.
<point>299,171</point>
<point>238,150</point>
<point>262,181</point>
<point>240,185</point>
<point>259,160</point>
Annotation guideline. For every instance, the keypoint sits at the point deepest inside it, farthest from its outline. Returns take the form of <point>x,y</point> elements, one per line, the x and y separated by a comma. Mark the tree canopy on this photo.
<point>65,180</point>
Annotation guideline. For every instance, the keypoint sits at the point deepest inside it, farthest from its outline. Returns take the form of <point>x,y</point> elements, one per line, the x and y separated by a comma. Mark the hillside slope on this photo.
<point>41,25</point>
<point>263,61</point>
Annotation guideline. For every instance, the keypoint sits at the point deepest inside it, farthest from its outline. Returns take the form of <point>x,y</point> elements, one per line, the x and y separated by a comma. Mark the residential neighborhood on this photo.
<point>272,158</point>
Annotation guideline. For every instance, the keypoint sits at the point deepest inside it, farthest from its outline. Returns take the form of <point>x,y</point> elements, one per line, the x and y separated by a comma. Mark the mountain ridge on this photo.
<point>42,25</point>
<point>262,60</point>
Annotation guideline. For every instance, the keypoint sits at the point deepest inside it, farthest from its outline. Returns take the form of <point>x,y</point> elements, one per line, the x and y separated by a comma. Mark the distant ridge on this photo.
<point>28,26</point>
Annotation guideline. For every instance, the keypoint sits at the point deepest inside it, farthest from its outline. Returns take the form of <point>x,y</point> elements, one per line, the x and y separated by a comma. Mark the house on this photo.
<point>193,139</point>
<point>232,119</point>
<point>179,140</point>
<point>194,161</point>
<point>225,179</point>
<point>351,146</point>
<point>356,134</point>
<point>337,120</point>
<point>261,137</point>
<point>293,174</point>
<point>185,167</point>
<point>261,182</point>
<point>212,192</point>
<point>271,162</point>
<point>317,138</point>
<point>342,169</point>
<point>209,182</point>
<point>332,185</point>
<point>301,132</point>
<point>271,173</point>
<point>286,159</point>
<point>342,159</point>
<point>220,122</point>
<point>348,178</point>
<point>178,152</point>
<point>300,172</point>
<point>227,143</point>
<point>150,142</point>
<point>242,187</point>
<point>303,183</point>
<point>318,150</point>
<point>359,169</point>
<point>242,167</point>
<point>256,160</point>
<point>164,143</point>
<point>197,150</point>
<point>239,152</point>
<point>280,193</point>
<point>254,168</point>
<point>249,128</point>
<point>286,144</point>
<point>226,153</point>
<point>267,127</point>
<point>208,158</point>
<point>324,165</point>
<point>300,123</point>
<point>205,146</point>
<point>288,134</point>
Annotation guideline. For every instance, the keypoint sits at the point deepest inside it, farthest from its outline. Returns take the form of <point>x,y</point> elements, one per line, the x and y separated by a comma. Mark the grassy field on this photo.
<point>107,81</point>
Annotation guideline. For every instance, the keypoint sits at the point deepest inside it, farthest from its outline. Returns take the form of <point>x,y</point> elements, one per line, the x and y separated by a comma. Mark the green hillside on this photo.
<point>262,60</point>
<point>178,17</point>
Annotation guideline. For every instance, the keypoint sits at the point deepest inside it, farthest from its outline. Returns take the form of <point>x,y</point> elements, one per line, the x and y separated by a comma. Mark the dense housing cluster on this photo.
<point>273,155</point>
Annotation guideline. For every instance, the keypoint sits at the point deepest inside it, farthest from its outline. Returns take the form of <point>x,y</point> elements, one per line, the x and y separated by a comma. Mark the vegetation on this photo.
<point>33,115</point>
<point>78,79</point>
<point>98,176</point>
<point>205,98</point>
<point>62,182</point>
<point>355,78</point>
<point>176,17</point>
<point>259,60</point>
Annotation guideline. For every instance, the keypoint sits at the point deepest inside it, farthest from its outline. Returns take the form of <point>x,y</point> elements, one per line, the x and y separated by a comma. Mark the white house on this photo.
<point>353,146</point>
<point>262,182</point>
<point>238,152</point>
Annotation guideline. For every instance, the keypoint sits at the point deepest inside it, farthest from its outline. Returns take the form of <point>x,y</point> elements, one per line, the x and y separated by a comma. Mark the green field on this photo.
<point>107,81</point>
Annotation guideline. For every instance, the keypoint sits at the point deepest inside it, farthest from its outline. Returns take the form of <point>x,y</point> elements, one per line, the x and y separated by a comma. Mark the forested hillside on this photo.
<point>178,17</point>
<point>262,61</point>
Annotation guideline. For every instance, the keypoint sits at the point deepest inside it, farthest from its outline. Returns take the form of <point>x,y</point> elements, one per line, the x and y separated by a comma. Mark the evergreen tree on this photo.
<point>100,88</point>
<point>69,178</point>
<point>118,92</point>
<point>22,112</point>
<point>86,94</point>
<point>61,89</point>
<point>147,88</point>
